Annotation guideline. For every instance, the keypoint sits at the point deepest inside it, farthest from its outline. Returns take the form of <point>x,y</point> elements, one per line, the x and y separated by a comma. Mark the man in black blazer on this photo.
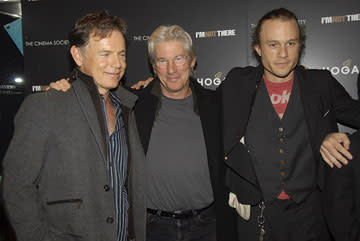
<point>342,196</point>
<point>178,122</point>
<point>275,117</point>
<point>67,174</point>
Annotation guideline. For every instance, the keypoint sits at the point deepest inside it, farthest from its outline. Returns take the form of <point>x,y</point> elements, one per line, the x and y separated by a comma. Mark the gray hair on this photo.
<point>170,33</point>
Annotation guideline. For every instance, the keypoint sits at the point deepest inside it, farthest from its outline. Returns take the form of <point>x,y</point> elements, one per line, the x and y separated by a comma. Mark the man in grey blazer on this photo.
<point>67,171</point>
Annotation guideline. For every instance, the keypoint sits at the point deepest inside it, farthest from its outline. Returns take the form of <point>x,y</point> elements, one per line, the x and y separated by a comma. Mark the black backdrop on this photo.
<point>332,28</point>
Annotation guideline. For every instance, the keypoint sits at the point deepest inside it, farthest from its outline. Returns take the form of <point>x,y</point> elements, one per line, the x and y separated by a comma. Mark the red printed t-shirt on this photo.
<point>279,94</point>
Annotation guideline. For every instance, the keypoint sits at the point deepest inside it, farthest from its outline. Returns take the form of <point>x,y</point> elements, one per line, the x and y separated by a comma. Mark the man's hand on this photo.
<point>60,85</point>
<point>335,149</point>
<point>142,83</point>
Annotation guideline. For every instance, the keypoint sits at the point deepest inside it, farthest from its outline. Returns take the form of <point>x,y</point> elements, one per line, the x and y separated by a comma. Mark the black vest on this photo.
<point>280,149</point>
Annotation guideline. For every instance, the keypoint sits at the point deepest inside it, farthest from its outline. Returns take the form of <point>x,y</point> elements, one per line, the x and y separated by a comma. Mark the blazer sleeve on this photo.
<point>347,109</point>
<point>342,196</point>
<point>22,166</point>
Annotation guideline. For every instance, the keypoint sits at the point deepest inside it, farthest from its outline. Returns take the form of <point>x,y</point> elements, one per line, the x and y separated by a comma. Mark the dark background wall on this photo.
<point>332,29</point>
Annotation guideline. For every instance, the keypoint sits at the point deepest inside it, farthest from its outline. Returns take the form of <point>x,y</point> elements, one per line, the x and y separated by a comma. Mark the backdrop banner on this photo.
<point>221,31</point>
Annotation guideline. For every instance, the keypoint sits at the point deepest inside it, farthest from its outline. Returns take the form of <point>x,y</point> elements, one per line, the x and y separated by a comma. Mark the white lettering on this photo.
<point>335,70</point>
<point>200,81</point>
<point>208,81</point>
<point>217,81</point>
<point>200,34</point>
<point>36,88</point>
<point>345,70</point>
<point>355,70</point>
<point>325,20</point>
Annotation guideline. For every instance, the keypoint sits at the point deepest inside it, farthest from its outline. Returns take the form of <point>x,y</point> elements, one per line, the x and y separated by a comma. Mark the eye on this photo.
<point>273,45</point>
<point>179,58</point>
<point>292,43</point>
<point>162,60</point>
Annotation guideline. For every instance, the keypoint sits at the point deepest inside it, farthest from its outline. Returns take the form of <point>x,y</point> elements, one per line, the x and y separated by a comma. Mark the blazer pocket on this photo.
<point>65,214</point>
<point>72,200</point>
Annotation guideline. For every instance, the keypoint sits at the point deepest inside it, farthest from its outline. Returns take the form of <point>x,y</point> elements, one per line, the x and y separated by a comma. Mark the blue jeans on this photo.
<point>201,227</point>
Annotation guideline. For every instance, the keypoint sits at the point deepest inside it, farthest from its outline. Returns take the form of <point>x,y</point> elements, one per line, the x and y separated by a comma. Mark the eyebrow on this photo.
<point>289,40</point>
<point>109,51</point>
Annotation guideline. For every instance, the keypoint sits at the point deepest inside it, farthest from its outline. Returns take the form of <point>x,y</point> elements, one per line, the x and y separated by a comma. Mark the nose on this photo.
<point>171,68</point>
<point>116,61</point>
<point>283,51</point>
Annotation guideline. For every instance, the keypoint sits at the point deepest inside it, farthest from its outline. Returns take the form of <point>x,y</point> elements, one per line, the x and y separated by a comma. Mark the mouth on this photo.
<point>173,79</point>
<point>282,64</point>
<point>113,75</point>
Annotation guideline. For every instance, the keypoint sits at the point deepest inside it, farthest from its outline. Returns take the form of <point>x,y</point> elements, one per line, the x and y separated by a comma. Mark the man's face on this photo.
<point>104,60</point>
<point>279,48</point>
<point>173,67</point>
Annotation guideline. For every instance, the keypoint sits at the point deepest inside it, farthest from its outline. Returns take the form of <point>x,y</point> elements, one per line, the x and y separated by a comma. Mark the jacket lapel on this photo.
<point>92,111</point>
<point>312,105</point>
<point>145,111</point>
<point>238,94</point>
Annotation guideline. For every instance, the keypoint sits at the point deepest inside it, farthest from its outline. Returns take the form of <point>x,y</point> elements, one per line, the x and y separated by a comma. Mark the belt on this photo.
<point>178,214</point>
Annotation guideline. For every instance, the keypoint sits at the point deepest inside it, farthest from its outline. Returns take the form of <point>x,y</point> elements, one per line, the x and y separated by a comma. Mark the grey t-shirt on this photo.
<point>177,168</point>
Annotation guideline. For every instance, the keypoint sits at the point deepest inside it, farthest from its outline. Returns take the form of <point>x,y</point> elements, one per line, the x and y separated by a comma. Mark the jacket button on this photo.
<point>283,183</point>
<point>281,140</point>
<point>281,151</point>
<point>109,219</point>
<point>225,158</point>
<point>281,129</point>
<point>106,188</point>
<point>282,173</point>
<point>282,162</point>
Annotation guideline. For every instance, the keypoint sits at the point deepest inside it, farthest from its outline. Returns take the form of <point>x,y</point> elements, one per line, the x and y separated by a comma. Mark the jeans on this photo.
<point>201,227</point>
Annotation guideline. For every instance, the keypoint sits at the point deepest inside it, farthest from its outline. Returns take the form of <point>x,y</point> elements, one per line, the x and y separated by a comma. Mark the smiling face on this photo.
<point>103,59</point>
<point>279,49</point>
<point>173,67</point>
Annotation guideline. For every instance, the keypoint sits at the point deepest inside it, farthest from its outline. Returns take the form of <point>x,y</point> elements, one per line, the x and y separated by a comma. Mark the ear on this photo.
<point>193,61</point>
<point>257,49</point>
<point>76,55</point>
<point>154,69</point>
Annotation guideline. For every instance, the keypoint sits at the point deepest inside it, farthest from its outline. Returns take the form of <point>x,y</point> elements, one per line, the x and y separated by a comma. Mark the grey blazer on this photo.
<point>56,177</point>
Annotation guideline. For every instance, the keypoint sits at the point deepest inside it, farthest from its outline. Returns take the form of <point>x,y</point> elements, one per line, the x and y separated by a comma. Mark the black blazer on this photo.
<point>342,196</point>
<point>206,104</point>
<point>325,102</point>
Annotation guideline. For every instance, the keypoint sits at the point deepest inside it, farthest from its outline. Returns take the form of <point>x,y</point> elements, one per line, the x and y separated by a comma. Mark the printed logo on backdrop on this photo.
<point>39,88</point>
<point>140,37</point>
<point>340,19</point>
<point>46,43</point>
<point>216,33</point>
<point>211,80</point>
<point>302,22</point>
<point>11,89</point>
<point>347,68</point>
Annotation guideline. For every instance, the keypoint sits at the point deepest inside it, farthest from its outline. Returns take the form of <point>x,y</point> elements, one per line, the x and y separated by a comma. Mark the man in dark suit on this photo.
<point>342,196</point>
<point>275,117</point>
<point>66,170</point>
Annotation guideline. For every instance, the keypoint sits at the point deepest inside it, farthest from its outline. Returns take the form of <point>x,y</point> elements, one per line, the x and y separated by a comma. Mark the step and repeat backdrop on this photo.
<point>220,30</point>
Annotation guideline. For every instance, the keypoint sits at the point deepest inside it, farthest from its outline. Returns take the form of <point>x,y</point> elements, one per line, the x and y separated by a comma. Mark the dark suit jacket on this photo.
<point>56,168</point>
<point>342,196</point>
<point>325,102</point>
<point>206,104</point>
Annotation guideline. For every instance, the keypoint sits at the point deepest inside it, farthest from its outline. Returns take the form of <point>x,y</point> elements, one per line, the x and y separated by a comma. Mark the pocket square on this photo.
<point>242,209</point>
